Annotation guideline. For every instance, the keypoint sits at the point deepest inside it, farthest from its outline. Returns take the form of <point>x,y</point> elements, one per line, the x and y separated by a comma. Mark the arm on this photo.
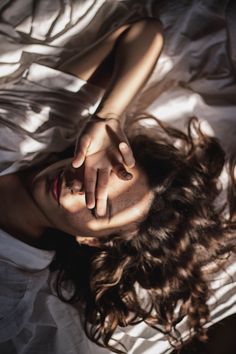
<point>103,146</point>
<point>137,52</point>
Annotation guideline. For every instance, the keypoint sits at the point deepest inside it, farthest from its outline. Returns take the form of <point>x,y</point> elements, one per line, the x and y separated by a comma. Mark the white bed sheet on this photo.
<point>195,74</point>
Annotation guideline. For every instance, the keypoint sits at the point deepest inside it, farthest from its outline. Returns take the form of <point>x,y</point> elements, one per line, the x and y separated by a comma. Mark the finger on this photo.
<point>90,180</point>
<point>127,154</point>
<point>121,172</point>
<point>81,150</point>
<point>102,191</point>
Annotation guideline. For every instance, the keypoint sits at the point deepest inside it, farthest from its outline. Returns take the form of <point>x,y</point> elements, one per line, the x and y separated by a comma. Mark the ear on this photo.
<point>89,241</point>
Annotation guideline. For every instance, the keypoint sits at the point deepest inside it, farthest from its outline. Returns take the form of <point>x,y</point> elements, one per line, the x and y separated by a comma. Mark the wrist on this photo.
<point>97,119</point>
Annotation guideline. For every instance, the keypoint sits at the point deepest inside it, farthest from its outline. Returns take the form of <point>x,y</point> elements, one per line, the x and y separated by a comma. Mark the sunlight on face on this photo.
<point>128,201</point>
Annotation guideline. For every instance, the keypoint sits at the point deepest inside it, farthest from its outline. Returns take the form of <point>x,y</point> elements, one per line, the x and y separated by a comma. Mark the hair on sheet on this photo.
<point>158,274</point>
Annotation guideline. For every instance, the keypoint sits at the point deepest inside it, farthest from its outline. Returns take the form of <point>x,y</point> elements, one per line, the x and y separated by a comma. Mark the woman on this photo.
<point>46,117</point>
<point>156,248</point>
<point>151,259</point>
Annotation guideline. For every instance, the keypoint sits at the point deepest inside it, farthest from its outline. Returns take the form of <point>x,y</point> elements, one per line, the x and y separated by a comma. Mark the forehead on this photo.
<point>126,193</point>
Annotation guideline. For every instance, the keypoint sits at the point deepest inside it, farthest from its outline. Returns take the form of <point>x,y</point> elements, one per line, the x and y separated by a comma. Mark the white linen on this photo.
<point>42,113</point>
<point>195,75</point>
<point>32,318</point>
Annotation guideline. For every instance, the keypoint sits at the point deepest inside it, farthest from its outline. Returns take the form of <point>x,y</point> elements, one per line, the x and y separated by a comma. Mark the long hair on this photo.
<point>167,259</point>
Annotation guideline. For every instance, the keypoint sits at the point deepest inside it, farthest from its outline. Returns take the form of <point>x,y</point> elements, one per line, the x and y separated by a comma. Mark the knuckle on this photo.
<point>102,184</point>
<point>90,186</point>
<point>90,181</point>
<point>105,181</point>
<point>90,169</point>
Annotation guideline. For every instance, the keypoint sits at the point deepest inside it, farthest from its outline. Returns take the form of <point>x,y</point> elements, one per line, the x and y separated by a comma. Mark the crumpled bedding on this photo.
<point>41,110</point>
<point>195,74</point>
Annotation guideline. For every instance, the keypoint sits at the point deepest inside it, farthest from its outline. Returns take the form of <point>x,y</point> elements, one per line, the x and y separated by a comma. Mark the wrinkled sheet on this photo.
<point>195,74</point>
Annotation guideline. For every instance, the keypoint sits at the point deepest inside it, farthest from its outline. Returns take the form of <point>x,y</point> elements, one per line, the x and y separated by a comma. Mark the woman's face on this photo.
<point>54,190</point>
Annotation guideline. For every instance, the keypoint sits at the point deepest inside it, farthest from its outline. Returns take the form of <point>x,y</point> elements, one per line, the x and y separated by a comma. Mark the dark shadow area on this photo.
<point>221,340</point>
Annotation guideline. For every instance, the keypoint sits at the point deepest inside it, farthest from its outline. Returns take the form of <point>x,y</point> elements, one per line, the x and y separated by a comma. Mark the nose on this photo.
<point>74,179</point>
<point>77,187</point>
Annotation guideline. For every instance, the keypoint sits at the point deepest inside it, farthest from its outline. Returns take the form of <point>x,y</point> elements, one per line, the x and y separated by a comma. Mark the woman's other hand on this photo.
<point>102,147</point>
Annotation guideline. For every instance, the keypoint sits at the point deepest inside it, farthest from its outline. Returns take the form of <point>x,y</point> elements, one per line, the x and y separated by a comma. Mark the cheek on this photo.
<point>74,223</point>
<point>73,204</point>
<point>71,217</point>
<point>38,189</point>
<point>78,217</point>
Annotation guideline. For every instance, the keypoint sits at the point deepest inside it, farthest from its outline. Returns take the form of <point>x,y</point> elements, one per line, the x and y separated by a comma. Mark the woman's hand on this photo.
<point>102,147</point>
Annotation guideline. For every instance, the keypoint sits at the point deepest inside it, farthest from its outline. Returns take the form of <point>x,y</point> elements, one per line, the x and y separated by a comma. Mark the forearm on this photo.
<point>137,52</point>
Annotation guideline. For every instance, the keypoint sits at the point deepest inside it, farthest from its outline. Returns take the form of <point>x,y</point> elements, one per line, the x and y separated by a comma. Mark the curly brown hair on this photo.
<point>184,236</point>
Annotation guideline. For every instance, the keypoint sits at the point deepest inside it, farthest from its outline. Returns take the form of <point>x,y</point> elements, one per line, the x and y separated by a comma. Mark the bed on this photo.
<point>195,76</point>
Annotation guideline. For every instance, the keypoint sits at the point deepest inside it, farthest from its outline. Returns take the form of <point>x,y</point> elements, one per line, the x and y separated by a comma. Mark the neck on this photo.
<point>19,215</point>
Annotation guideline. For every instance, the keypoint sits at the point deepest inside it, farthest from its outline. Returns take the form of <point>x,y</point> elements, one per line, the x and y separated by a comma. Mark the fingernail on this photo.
<point>123,146</point>
<point>90,204</point>
<point>74,163</point>
<point>126,175</point>
<point>101,213</point>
